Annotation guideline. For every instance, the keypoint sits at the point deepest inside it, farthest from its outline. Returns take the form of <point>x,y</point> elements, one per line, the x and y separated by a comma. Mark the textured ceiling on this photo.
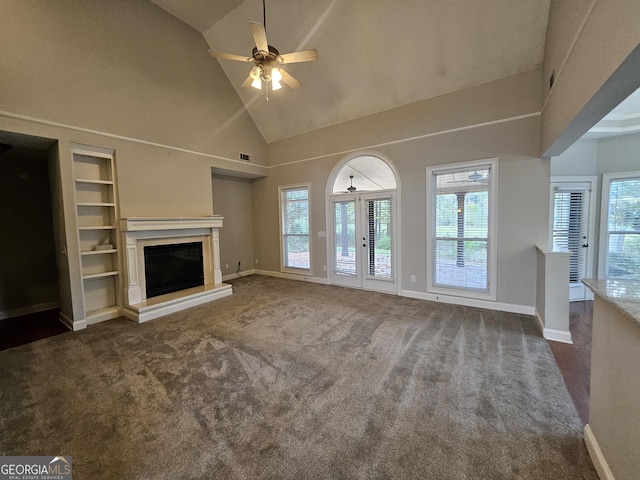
<point>374,54</point>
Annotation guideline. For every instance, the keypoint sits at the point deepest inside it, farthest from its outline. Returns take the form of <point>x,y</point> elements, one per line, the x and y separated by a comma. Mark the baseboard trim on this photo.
<point>599,462</point>
<point>70,324</point>
<point>562,336</point>
<point>470,302</point>
<point>290,276</point>
<point>18,312</point>
<point>232,276</point>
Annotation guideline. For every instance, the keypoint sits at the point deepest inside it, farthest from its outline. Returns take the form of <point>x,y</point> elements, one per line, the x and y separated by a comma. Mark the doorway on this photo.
<point>363,225</point>
<point>572,228</point>
<point>29,282</point>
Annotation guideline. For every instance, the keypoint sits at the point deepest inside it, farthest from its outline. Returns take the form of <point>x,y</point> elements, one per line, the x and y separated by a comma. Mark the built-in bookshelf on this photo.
<point>97,214</point>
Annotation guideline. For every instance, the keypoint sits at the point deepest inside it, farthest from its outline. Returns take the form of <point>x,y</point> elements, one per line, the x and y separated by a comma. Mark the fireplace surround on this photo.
<point>138,233</point>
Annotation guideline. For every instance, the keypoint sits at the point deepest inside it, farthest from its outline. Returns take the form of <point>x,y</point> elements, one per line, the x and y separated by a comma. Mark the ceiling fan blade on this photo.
<point>247,82</point>
<point>302,56</point>
<point>260,36</point>
<point>289,80</point>
<point>230,56</point>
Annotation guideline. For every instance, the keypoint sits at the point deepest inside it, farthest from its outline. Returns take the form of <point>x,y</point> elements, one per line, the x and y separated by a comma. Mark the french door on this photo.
<point>571,231</point>
<point>363,241</point>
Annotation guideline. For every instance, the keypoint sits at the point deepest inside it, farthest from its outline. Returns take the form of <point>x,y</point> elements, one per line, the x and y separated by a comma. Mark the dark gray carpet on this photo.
<point>294,380</point>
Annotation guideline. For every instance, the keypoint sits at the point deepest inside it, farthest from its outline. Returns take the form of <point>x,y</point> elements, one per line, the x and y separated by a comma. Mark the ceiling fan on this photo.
<point>267,60</point>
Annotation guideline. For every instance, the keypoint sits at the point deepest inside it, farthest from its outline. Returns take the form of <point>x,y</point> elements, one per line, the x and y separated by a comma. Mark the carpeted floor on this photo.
<point>293,380</point>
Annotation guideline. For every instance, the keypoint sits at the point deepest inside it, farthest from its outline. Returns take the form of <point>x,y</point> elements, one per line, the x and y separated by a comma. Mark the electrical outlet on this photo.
<point>324,268</point>
<point>256,261</point>
<point>413,279</point>
<point>226,265</point>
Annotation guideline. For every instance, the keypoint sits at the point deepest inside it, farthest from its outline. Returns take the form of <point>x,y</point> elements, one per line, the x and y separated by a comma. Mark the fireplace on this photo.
<point>170,264</point>
<point>174,267</point>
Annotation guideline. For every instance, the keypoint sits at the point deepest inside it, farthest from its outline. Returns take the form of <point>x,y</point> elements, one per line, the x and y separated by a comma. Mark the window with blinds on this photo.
<point>294,221</point>
<point>622,258</point>
<point>462,229</point>
<point>379,238</point>
<point>570,228</point>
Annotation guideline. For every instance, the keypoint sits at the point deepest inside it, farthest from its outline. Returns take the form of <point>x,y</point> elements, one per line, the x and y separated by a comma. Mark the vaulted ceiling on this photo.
<point>374,54</point>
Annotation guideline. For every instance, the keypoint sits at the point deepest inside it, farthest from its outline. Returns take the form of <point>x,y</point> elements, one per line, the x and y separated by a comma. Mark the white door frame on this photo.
<point>330,196</point>
<point>591,225</point>
<point>362,279</point>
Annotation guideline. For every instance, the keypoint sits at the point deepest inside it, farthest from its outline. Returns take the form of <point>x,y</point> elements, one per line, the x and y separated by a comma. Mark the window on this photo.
<point>294,228</point>
<point>461,229</point>
<point>620,226</point>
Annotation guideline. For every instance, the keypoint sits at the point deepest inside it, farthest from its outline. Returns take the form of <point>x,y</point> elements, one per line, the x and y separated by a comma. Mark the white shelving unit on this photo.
<point>97,214</point>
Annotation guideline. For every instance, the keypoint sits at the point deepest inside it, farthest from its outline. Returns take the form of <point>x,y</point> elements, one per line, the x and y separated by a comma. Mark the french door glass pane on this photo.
<point>379,238</point>
<point>344,235</point>
<point>623,247</point>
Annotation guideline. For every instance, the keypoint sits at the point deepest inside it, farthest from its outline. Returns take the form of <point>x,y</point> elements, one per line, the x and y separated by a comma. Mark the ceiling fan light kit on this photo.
<point>267,61</point>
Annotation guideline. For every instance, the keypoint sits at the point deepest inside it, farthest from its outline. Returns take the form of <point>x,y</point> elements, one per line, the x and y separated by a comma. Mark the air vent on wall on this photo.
<point>245,157</point>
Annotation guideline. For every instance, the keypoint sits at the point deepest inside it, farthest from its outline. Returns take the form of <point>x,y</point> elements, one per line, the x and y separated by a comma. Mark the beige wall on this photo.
<point>453,128</point>
<point>581,158</point>
<point>619,154</point>
<point>232,200</point>
<point>589,44</point>
<point>124,67</point>
<point>614,417</point>
<point>127,76</point>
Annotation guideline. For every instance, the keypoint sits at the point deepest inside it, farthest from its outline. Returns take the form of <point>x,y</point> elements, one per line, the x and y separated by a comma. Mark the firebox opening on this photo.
<point>171,268</point>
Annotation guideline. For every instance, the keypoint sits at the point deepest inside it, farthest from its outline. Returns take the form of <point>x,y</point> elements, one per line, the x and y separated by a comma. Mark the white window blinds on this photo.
<point>380,238</point>
<point>570,228</point>
<point>295,228</point>
<point>461,229</point>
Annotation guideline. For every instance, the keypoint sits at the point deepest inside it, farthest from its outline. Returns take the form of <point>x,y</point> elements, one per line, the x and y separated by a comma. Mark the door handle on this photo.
<point>364,244</point>
<point>585,245</point>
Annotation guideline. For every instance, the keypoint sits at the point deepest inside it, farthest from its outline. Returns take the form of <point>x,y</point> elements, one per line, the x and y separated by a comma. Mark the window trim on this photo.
<point>492,262</point>
<point>603,246</point>
<point>281,235</point>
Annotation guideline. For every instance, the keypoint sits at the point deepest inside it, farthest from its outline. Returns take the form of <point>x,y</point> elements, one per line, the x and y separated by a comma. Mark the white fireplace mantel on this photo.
<point>138,232</point>
<point>139,224</point>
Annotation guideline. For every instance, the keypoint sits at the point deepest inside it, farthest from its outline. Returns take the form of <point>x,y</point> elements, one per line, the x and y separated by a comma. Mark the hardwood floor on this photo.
<point>575,360</point>
<point>29,328</point>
